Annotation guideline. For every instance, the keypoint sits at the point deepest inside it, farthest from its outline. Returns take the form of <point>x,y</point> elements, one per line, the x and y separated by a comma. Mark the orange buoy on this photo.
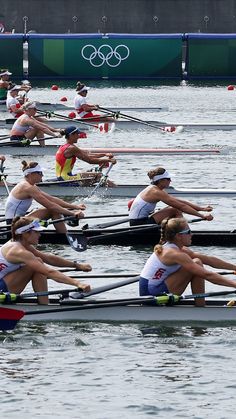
<point>54,87</point>
<point>63,99</point>
<point>231,87</point>
<point>72,115</point>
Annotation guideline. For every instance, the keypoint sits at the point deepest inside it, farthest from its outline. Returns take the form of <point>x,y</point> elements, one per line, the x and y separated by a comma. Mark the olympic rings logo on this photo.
<point>105,54</point>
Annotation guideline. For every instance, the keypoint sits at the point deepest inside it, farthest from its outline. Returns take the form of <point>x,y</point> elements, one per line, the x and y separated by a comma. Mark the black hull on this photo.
<point>133,236</point>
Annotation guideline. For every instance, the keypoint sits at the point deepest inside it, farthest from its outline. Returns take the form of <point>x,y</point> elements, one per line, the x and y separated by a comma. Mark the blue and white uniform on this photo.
<point>154,274</point>
<point>5,268</point>
<point>16,207</point>
<point>140,211</point>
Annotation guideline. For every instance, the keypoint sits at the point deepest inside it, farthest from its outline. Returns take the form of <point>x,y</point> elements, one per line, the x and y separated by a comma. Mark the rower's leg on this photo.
<point>39,284</point>
<point>16,281</point>
<point>167,212</point>
<point>44,214</point>
<point>178,282</point>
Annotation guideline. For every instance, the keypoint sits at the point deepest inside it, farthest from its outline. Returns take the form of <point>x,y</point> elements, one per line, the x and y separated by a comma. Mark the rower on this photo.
<point>22,195</point>
<point>22,263</point>
<point>173,266</point>
<point>14,102</point>
<point>83,109</point>
<point>142,210</point>
<point>27,126</point>
<point>4,84</point>
<point>67,154</point>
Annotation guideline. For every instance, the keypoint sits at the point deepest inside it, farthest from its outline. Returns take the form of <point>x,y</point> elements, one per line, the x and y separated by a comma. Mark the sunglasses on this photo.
<point>187,231</point>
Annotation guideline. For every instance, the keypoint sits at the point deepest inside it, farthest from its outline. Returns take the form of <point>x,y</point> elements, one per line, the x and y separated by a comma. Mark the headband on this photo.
<point>164,175</point>
<point>32,226</point>
<point>37,168</point>
<point>83,89</point>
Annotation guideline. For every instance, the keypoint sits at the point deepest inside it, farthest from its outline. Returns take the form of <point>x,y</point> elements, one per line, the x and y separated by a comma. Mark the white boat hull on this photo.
<point>120,191</point>
<point>126,125</point>
<point>133,313</point>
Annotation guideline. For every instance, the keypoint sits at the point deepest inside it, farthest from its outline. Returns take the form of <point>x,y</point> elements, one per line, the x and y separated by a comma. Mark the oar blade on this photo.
<point>9,318</point>
<point>78,242</point>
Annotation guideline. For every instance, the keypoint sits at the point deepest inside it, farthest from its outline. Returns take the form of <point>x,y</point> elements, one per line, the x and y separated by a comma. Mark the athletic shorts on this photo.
<point>142,221</point>
<point>3,286</point>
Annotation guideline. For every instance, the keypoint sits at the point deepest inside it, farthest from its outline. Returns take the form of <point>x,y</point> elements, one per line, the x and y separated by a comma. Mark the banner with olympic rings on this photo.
<point>95,56</point>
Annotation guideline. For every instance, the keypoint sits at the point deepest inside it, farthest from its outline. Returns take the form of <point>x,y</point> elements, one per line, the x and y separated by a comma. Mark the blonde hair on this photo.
<point>169,228</point>
<point>29,165</point>
<point>155,172</point>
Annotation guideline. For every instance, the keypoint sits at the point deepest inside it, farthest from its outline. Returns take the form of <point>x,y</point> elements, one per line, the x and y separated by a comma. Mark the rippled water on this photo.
<point>100,371</point>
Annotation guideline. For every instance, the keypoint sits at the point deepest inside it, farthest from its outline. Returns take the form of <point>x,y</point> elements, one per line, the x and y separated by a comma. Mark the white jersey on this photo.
<point>7,267</point>
<point>141,209</point>
<point>12,101</point>
<point>154,270</point>
<point>79,101</point>
<point>16,207</point>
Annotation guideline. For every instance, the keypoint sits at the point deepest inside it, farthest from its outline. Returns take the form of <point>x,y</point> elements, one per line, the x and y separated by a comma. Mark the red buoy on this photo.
<point>130,203</point>
<point>82,135</point>
<point>54,87</point>
<point>72,115</point>
<point>63,99</point>
<point>231,87</point>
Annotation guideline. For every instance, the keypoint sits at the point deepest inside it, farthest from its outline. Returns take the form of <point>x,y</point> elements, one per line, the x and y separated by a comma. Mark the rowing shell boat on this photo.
<point>126,125</point>
<point>127,236</point>
<point>215,311</point>
<point>62,107</point>
<point>74,189</point>
<point>51,149</point>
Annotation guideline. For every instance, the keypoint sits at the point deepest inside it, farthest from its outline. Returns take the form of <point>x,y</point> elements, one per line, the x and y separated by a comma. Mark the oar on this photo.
<point>112,223</point>
<point>4,137</point>
<point>141,121</point>
<point>67,118</point>
<point>101,181</point>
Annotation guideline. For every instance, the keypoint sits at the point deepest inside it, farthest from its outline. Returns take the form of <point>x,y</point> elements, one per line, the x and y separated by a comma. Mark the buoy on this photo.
<point>54,87</point>
<point>63,99</point>
<point>231,87</point>
<point>129,205</point>
<point>72,115</point>
<point>82,135</point>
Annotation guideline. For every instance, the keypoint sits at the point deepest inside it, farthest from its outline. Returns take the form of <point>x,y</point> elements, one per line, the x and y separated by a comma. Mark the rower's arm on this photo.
<point>55,260</point>
<point>29,259</point>
<point>42,126</point>
<point>213,261</point>
<point>180,205</point>
<point>48,201</point>
<point>197,270</point>
<point>195,206</point>
<point>62,203</point>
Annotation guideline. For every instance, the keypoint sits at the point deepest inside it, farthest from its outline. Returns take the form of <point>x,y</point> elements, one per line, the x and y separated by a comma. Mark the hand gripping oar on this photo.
<point>141,121</point>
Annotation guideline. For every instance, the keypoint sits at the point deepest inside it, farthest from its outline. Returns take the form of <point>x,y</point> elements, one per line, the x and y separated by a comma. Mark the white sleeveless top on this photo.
<point>141,208</point>
<point>154,270</point>
<point>16,207</point>
<point>78,102</point>
<point>7,267</point>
